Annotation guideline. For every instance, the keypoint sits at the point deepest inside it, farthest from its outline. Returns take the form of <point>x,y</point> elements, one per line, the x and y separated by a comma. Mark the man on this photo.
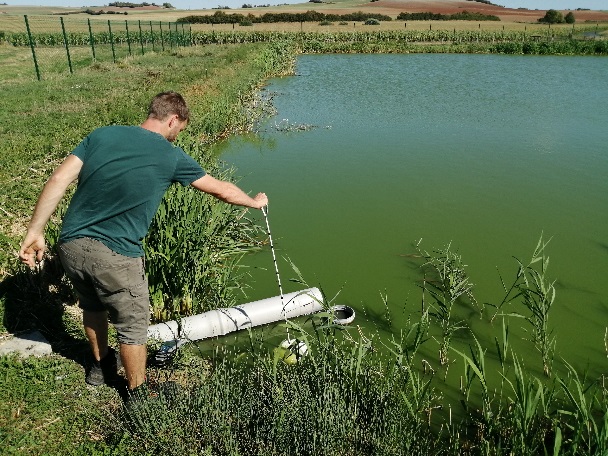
<point>123,173</point>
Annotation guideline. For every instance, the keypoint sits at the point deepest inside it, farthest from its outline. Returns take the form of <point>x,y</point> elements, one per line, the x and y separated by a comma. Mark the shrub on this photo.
<point>569,18</point>
<point>462,16</point>
<point>530,47</point>
<point>372,21</point>
<point>509,47</point>
<point>552,17</point>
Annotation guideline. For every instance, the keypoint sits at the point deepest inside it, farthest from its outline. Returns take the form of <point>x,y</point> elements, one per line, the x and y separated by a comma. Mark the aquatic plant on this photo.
<point>537,295</point>
<point>447,283</point>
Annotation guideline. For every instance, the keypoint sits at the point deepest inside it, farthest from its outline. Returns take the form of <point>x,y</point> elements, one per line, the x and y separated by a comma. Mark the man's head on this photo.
<point>166,104</point>
<point>170,108</point>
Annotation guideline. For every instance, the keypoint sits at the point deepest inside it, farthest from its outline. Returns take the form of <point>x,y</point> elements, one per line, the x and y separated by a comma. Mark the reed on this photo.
<point>349,397</point>
<point>447,284</point>
<point>537,294</point>
<point>585,421</point>
<point>354,394</point>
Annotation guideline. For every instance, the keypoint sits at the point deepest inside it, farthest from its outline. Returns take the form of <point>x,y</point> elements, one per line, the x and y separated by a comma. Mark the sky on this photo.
<point>198,4</point>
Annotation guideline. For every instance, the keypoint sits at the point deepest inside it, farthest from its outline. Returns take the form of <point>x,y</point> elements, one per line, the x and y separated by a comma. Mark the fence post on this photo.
<point>67,45</point>
<point>152,35</point>
<point>141,38</point>
<point>112,41</point>
<point>170,37</point>
<point>29,34</point>
<point>92,40</point>
<point>128,37</point>
<point>162,41</point>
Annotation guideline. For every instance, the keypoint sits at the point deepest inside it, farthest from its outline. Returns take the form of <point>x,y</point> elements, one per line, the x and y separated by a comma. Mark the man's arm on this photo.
<point>229,193</point>
<point>33,245</point>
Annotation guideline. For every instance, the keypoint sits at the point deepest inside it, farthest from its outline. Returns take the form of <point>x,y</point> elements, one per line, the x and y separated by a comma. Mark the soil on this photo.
<point>394,7</point>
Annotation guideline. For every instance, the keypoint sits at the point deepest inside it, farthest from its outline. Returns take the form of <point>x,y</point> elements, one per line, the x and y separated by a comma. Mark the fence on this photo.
<point>61,45</point>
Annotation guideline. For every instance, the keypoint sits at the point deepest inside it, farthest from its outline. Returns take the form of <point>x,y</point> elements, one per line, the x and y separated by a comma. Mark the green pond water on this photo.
<point>368,154</point>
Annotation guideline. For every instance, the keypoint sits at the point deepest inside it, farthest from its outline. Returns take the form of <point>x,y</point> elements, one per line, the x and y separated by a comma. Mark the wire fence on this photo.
<point>64,45</point>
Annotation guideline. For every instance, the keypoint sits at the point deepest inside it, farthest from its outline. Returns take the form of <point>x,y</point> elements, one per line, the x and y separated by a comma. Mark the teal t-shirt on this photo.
<point>125,173</point>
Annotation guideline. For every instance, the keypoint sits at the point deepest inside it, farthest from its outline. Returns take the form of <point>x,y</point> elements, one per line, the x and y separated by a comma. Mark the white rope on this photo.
<point>276,266</point>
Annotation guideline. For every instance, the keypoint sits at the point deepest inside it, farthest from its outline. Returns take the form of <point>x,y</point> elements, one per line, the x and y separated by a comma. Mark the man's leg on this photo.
<point>134,361</point>
<point>96,329</point>
<point>104,368</point>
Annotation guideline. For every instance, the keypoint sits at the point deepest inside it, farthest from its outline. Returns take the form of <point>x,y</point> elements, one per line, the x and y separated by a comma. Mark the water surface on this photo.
<point>485,153</point>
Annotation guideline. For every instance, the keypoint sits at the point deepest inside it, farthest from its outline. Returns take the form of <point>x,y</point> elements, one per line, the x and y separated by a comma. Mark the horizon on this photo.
<point>213,4</point>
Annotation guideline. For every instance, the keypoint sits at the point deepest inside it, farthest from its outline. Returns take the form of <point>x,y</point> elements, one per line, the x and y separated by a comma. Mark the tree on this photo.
<point>552,17</point>
<point>569,18</point>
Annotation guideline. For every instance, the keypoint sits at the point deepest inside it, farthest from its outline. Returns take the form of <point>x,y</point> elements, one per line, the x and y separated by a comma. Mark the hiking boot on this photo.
<point>104,371</point>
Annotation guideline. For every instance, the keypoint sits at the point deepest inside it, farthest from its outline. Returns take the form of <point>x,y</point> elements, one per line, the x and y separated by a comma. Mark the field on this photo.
<point>509,17</point>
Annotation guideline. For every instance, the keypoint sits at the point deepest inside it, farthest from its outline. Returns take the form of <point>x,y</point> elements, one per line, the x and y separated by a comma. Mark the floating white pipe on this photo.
<point>219,322</point>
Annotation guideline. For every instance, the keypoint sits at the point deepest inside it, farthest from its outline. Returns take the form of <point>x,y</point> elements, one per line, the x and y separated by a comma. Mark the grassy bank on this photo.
<point>45,407</point>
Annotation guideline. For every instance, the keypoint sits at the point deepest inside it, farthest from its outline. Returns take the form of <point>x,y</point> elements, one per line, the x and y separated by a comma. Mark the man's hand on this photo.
<point>261,199</point>
<point>32,249</point>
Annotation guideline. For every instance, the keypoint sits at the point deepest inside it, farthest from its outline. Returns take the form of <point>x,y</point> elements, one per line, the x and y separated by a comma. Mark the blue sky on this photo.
<point>196,4</point>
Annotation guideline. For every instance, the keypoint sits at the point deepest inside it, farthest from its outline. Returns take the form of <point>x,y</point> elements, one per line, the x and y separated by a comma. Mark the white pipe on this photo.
<point>219,322</point>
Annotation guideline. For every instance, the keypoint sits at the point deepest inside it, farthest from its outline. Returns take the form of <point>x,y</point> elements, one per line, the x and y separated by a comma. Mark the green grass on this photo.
<point>46,408</point>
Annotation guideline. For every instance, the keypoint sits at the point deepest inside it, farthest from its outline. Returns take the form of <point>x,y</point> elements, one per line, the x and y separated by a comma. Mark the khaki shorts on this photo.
<point>107,281</point>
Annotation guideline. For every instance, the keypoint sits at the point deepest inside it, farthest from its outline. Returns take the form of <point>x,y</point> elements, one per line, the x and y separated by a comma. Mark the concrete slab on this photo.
<point>29,344</point>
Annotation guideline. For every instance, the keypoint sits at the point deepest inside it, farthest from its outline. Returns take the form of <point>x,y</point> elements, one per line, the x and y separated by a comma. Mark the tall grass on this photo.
<point>448,284</point>
<point>537,295</point>
<point>336,401</point>
<point>193,250</point>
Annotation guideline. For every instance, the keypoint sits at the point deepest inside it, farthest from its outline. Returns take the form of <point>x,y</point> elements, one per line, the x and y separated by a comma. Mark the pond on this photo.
<point>369,154</point>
